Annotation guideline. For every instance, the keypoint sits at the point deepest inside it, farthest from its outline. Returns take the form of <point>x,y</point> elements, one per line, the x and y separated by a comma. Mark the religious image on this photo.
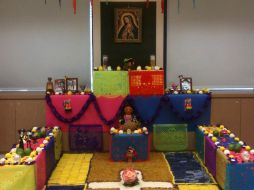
<point>72,84</point>
<point>128,25</point>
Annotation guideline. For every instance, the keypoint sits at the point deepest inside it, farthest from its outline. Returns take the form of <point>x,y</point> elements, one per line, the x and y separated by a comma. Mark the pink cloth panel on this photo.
<point>109,106</point>
<point>40,168</point>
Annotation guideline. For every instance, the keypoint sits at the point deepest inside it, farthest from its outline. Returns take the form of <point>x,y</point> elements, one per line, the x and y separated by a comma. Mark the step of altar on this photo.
<point>70,173</point>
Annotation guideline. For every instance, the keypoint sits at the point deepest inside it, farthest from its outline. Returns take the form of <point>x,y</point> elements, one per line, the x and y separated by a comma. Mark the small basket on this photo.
<point>170,137</point>
<point>146,82</point>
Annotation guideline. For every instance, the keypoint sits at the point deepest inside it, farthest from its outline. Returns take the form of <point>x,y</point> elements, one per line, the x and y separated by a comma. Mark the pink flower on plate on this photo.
<point>129,176</point>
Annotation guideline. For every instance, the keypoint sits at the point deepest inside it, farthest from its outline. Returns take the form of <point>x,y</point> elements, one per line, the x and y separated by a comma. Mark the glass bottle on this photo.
<point>49,86</point>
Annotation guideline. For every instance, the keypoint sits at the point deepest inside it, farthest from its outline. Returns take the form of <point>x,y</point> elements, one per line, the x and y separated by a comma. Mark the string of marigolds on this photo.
<point>236,150</point>
<point>31,144</point>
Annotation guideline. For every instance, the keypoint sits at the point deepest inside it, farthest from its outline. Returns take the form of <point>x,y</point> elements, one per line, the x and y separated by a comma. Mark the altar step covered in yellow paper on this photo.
<point>72,170</point>
<point>21,177</point>
<point>198,187</point>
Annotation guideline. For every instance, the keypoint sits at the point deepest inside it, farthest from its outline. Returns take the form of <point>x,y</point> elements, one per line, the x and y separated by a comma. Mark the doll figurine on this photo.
<point>187,104</point>
<point>131,154</point>
<point>21,138</point>
<point>129,121</point>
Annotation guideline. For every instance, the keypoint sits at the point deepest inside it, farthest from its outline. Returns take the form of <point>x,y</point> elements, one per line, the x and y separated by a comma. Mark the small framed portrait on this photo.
<point>60,85</point>
<point>128,25</point>
<point>72,84</point>
<point>185,83</point>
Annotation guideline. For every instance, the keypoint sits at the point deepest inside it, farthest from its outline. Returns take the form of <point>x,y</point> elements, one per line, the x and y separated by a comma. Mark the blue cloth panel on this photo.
<point>200,143</point>
<point>239,176</point>
<point>50,157</point>
<point>186,168</point>
<point>146,105</point>
<point>121,142</point>
<point>174,111</point>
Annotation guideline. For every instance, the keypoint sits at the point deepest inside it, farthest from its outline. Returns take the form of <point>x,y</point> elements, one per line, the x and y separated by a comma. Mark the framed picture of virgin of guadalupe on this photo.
<point>128,25</point>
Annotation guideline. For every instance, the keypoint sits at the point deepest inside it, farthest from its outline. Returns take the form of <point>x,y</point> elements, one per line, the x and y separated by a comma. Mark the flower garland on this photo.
<point>164,100</point>
<point>91,99</point>
<point>74,118</point>
<point>104,120</point>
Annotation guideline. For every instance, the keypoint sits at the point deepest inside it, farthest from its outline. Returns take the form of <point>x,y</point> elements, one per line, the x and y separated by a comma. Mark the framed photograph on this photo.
<point>72,84</point>
<point>128,25</point>
<point>60,85</point>
<point>186,83</point>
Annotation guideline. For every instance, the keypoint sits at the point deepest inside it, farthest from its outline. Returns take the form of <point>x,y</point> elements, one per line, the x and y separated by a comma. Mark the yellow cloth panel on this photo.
<point>221,164</point>
<point>58,144</point>
<point>72,169</point>
<point>21,177</point>
<point>198,187</point>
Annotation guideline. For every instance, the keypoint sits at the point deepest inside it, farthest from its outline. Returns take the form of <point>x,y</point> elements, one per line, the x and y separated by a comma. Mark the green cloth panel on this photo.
<point>21,177</point>
<point>170,137</point>
<point>111,83</point>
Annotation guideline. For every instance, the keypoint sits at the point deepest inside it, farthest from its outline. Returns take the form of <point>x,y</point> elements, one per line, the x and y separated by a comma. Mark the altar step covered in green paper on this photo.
<point>110,83</point>
<point>170,137</point>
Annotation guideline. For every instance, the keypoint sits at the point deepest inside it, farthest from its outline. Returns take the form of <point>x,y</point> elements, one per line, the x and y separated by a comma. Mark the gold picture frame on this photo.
<point>128,25</point>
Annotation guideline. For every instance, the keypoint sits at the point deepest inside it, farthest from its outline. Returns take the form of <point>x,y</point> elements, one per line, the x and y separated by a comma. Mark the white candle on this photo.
<point>105,61</point>
<point>152,60</point>
<point>152,57</point>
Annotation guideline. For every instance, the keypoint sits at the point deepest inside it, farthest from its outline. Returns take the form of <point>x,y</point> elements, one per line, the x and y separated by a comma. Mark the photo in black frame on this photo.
<point>185,83</point>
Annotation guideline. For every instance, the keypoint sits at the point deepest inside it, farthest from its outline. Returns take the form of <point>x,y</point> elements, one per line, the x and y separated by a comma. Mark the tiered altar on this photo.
<point>106,110</point>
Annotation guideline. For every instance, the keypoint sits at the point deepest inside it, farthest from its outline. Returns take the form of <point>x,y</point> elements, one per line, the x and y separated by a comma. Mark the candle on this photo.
<point>152,60</point>
<point>104,61</point>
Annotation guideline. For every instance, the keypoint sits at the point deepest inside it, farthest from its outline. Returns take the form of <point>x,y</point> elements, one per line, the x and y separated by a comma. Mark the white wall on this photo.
<point>213,43</point>
<point>38,40</point>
